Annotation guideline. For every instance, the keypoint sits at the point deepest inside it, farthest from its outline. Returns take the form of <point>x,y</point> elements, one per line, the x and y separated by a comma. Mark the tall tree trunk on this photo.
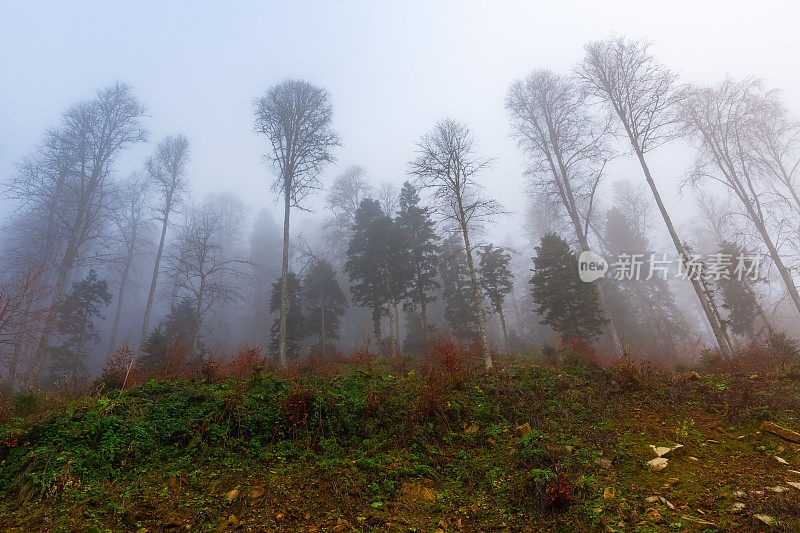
<point>476,294</point>
<point>284,281</point>
<point>715,325</point>
<point>118,312</point>
<point>776,258</point>
<point>50,322</point>
<point>390,316</point>
<point>423,306</point>
<point>505,332</point>
<point>322,310</point>
<point>154,281</point>
<point>198,318</point>
<point>396,327</point>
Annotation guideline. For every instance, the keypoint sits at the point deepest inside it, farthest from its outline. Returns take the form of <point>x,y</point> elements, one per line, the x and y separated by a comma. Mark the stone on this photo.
<point>232,495</point>
<point>693,376</point>
<point>794,484</point>
<point>739,494</point>
<point>778,489</point>
<point>795,472</point>
<point>658,464</point>
<point>765,519</point>
<point>665,451</point>
<point>609,493</point>
<point>781,431</point>
<point>471,430</point>
<point>667,503</point>
<point>524,430</point>
<point>418,492</point>
<point>603,463</point>
<point>652,499</point>
<point>781,460</point>
<point>737,507</point>
<point>597,510</point>
<point>653,515</point>
<point>693,458</point>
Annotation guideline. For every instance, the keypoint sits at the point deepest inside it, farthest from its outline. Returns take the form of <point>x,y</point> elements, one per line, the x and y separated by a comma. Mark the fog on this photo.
<point>390,73</point>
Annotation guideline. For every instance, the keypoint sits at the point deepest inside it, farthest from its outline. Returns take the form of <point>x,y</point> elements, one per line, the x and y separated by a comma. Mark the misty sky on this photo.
<point>391,70</point>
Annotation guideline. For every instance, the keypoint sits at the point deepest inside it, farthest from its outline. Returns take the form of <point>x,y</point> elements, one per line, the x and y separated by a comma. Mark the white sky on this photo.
<point>392,70</point>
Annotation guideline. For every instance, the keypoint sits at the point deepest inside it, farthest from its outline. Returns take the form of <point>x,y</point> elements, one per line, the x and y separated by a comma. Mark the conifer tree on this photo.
<point>496,280</point>
<point>76,325</point>
<point>295,321</point>
<point>459,310</point>
<point>570,306</point>
<point>416,224</point>
<point>324,303</point>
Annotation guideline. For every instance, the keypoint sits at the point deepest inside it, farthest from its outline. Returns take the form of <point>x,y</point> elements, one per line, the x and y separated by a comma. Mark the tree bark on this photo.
<point>284,281</point>
<point>151,295</point>
<point>715,325</point>
<point>122,283</point>
<point>505,332</point>
<point>476,293</point>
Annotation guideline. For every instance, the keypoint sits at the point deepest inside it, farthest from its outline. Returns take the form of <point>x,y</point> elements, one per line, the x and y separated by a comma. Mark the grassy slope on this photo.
<point>370,451</point>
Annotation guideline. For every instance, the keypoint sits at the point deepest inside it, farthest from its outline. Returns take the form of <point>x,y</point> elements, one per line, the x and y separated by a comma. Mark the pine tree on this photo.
<point>457,291</point>
<point>568,305</point>
<point>738,295</point>
<point>416,225</point>
<point>295,321</point>
<point>375,262</point>
<point>496,280</point>
<point>178,326</point>
<point>76,317</point>
<point>324,303</point>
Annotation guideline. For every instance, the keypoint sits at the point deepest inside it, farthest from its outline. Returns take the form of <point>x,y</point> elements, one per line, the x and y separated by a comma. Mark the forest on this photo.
<point>387,362</point>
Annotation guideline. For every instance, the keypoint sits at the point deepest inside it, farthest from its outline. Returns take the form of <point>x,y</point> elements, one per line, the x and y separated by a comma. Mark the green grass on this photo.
<point>371,450</point>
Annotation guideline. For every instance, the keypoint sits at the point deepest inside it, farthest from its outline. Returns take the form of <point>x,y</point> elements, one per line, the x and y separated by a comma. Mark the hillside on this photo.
<point>535,444</point>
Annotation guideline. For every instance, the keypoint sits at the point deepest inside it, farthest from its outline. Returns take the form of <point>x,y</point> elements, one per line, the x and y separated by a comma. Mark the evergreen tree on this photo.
<point>496,280</point>
<point>568,305</point>
<point>178,326</point>
<point>645,309</point>
<point>738,295</point>
<point>416,225</point>
<point>76,317</point>
<point>295,321</point>
<point>324,302</point>
<point>457,291</point>
<point>375,263</point>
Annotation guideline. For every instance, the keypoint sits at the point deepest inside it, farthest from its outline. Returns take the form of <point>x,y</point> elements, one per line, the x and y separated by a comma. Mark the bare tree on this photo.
<point>723,119</point>
<point>344,197</point>
<point>199,265</point>
<point>78,159</point>
<point>295,116</point>
<point>643,95</point>
<point>565,143</point>
<point>130,219</point>
<point>447,165</point>
<point>166,169</point>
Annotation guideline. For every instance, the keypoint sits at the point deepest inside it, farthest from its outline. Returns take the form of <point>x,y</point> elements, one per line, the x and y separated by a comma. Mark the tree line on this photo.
<point>415,260</point>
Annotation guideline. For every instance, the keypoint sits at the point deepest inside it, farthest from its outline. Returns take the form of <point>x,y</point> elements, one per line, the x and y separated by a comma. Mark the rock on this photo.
<point>597,510</point>
<point>753,376</point>
<point>795,472</point>
<point>778,489</point>
<point>739,494</point>
<point>765,519</point>
<point>794,484</point>
<point>471,430</point>
<point>418,492</point>
<point>256,493</point>
<point>232,495</point>
<point>781,460</point>
<point>658,464</point>
<point>780,431</point>
<point>737,507</point>
<point>523,430</point>
<point>693,458</point>
<point>653,515</point>
<point>693,376</point>
<point>652,499</point>
<point>609,493</point>
<point>667,503</point>
<point>603,463</point>
<point>665,451</point>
